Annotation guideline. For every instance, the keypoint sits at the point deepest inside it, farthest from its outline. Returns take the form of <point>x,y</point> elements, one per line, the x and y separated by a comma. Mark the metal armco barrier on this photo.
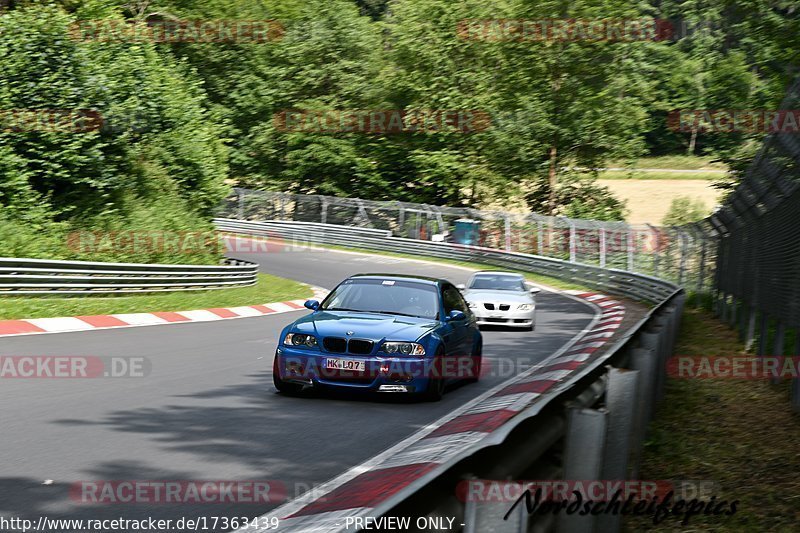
<point>590,427</point>
<point>36,276</point>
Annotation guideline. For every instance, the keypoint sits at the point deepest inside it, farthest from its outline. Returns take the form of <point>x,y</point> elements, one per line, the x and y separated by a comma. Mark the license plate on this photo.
<point>345,364</point>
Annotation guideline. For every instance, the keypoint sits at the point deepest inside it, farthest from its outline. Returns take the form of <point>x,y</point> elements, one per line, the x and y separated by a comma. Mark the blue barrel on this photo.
<point>468,231</point>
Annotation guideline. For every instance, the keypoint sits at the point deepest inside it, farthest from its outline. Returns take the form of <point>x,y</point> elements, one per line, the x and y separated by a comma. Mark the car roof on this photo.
<point>405,277</point>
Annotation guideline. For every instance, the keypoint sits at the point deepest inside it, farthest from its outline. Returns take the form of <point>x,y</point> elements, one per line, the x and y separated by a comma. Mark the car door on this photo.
<point>457,332</point>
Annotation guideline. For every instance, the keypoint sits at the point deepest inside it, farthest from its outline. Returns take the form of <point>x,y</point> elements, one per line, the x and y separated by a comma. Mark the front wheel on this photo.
<point>477,362</point>
<point>283,387</point>
<point>435,389</point>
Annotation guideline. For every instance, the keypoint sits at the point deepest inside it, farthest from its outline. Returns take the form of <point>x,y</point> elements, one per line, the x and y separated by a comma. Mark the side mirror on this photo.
<point>461,286</point>
<point>535,290</point>
<point>311,304</point>
<point>455,314</point>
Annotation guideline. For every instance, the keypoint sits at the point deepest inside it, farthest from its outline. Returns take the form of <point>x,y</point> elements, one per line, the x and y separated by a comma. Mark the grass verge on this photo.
<point>740,434</point>
<point>268,289</point>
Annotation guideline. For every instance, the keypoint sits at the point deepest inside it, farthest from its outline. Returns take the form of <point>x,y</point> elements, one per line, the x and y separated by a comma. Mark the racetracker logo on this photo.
<point>177,31</point>
<point>177,492</point>
<point>734,120</point>
<point>734,367</point>
<point>49,120</point>
<point>72,367</point>
<point>564,30</point>
<point>383,122</point>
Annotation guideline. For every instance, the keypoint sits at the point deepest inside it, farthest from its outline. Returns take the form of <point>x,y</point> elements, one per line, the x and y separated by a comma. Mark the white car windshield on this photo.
<point>498,282</point>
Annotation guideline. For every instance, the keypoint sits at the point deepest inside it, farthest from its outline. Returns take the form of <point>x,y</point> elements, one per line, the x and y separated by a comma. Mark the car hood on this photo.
<point>372,326</point>
<point>486,295</point>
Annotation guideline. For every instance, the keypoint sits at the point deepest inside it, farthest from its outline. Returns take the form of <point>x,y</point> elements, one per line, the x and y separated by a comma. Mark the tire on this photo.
<point>477,358</point>
<point>435,389</point>
<point>290,389</point>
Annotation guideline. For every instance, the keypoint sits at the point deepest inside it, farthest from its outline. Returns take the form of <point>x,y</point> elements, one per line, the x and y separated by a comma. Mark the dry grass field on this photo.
<point>649,200</point>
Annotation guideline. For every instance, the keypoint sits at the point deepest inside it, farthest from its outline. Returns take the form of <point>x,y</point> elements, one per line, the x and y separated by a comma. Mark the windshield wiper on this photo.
<point>396,313</point>
<point>342,309</point>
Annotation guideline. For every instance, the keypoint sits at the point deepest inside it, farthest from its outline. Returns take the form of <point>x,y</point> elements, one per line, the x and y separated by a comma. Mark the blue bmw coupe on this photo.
<point>382,333</point>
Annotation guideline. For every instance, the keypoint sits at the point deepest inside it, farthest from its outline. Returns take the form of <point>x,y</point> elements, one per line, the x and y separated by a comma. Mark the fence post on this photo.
<point>684,254</point>
<point>777,346</point>
<point>583,458</point>
<point>571,242</point>
<point>507,230</point>
<point>324,214</point>
<point>796,381</point>
<point>540,238</point>
<point>751,328</point>
<point>602,247</point>
<point>701,275</point>
<point>763,334</point>
<point>241,204</point>
<point>630,249</point>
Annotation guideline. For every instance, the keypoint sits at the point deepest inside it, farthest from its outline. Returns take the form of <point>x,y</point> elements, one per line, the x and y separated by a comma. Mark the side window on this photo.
<point>452,300</point>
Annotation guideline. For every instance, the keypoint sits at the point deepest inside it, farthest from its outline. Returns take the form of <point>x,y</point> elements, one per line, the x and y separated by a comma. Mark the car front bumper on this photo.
<point>380,374</point>
<point>512,318</point>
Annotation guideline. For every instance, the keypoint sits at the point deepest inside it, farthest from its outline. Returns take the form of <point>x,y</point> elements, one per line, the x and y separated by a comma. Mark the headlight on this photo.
<point>472,305</point>
<point>403,348</point>
<point>300,339</point>
<point>525,307</point>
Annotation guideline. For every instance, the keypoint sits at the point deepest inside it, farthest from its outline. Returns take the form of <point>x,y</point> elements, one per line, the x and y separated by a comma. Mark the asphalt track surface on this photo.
<point>208,410</point>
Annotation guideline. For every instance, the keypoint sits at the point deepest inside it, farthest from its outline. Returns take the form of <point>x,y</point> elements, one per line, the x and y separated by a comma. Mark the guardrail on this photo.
<point>591,426</point>
<point>37,276</point>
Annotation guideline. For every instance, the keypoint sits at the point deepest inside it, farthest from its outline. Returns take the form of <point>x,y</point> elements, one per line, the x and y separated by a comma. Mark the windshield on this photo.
<point>498,282</point>
<point>394,297</point>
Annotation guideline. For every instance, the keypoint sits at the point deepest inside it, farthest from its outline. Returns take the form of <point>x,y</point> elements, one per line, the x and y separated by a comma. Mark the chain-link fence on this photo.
<point>683,255</point>
<point>758,268</point>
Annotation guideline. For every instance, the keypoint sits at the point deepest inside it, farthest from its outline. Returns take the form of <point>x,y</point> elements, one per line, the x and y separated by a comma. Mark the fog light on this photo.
<point>392,388</point>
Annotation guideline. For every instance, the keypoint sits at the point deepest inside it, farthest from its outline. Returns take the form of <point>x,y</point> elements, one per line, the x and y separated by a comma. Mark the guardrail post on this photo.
<point>654,340</point>
<point>643,360</point>
<point>583,458</point>
<point>241,205</point>
<point>622,394</point>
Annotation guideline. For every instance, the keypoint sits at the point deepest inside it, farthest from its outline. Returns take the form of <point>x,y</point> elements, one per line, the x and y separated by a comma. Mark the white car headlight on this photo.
<point>472,305</point>
<point>403,348</point>
<point>525,307</point>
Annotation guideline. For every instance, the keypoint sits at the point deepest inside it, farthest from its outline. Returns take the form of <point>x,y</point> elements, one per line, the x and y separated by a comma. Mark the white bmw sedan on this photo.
<point>501,299</point>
